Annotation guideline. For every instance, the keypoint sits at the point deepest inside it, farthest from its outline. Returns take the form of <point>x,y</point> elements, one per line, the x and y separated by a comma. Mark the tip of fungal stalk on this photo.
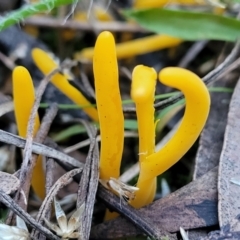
<point>143,84</point>
<point>43,61</point>
<point>105,34</point>
<point>20,70</point>
<point>105,40</point>
<point>104,52</point>
<point>21,76</point>
<point>184,80</point>
<point>169,74</point>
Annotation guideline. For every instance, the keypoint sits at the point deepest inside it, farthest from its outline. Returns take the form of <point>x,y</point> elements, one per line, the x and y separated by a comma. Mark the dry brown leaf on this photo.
<point>211,141</point>
<point>88,183</point>
<point>192,206</point>
<point>229,168</point>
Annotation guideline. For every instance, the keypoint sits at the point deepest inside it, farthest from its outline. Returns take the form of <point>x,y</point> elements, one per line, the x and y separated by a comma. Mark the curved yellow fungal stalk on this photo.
<point>142,93</point>
<point>23,99</point>
<point>136,46</point>
<point>196,113</point>
<point>46,64</point>
<point>109,106</point>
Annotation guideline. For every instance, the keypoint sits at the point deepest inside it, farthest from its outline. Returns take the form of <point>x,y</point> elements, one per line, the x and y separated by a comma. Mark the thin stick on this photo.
<point>40,149</point>
<point>89,183</point>
<point>132,214</point>
<point>46,123</point>
<point>192,52</point>
<point>83,26</point>
<point>86,142</point>
<point>50,166</point>
<point>4,198</point>
<point>60,183</point>
<point>7,61</point>
<point>41,136</point>
<point>26,173</point>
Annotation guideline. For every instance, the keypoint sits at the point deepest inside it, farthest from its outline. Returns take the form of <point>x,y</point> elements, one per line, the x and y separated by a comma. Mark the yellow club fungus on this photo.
<point>109,105</point>
<point>46,64</point>
<point>142,93</point>
<point>136,47</point>
<point>23,99</point>
<point>196,113</point>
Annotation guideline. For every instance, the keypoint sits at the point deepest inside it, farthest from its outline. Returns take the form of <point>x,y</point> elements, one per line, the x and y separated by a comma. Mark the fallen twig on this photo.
<point>88,184</point>
<point>5,199</point>
<point>83,25</point>
<point>39,149</point>
<point>61,182</point>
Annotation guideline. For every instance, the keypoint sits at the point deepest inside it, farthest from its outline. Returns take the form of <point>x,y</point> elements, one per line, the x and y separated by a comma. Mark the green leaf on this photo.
<point>220,89</point>
<point>187,25</point>
<point>169,108</point>
<point>68,132</point>
<point>30,9</point>
<point>130,124</point>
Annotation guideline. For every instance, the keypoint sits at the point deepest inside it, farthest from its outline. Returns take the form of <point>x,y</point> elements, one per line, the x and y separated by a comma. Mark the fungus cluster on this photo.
<point>109,113</point>
<point>24,97</point>
<point>108,101</point>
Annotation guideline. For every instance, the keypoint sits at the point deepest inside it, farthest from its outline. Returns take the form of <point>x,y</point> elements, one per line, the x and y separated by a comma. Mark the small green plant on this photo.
<point>30,9</point>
